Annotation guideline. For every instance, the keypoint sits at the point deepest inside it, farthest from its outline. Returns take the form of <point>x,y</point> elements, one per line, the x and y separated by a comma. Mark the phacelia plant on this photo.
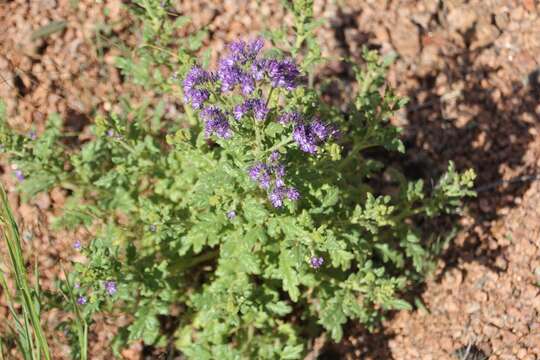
<point>255,219</point>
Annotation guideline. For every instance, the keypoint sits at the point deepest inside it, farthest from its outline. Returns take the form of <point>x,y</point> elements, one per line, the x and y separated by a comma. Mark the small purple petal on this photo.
<point>274,157</point>
<point>77,245</point>
<point>231,214</point>
<point>82,300</point>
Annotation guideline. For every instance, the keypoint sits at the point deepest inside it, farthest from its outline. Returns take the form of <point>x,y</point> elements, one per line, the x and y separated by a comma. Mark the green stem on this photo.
<point>284,142</point>
<point>269,96</point>
<point>194,261</point>
<point>258,135</point>
<point>126,146</point>
<point>352,154</point>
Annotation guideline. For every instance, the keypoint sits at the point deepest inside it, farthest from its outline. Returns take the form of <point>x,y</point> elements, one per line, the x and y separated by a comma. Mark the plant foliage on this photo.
<point>256,215</point>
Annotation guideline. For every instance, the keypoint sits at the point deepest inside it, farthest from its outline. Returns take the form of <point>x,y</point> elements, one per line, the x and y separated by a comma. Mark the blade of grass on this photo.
<point>80,322</point>
<point>49,29</point>
<point>30,302</point>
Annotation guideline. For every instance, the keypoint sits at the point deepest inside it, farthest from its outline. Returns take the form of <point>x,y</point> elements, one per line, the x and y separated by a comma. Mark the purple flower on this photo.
<point>316,262</point>
<point>82,300</point>
<point>193,94</point>
<point>258,106</point>
<point>279,193</point>
<point>247,83</point>
<point>283,73</point>
<point>231,214</point>
<point>110,287</point>
<point>242,109</point>
<point>259,109</point>
<point>216,122</point>
<point>242,52</point>
<point>19,175</point>
<point>309,136</point>
<point>110,133</point>
<point>279,172</point>
<point>274,157</point>
<point>290,117</point>
<point>258,68</point>
<point>229,74</point>
<point>271,177</point>
<point>304,138</point>
<point>233,69</point>
<point>276,197</point>
<point>261,174</point>
<point>255,47</point>
<point>32,135</point>
<point>77,285</point>
<point>292,193</point>
<point>77,245</point>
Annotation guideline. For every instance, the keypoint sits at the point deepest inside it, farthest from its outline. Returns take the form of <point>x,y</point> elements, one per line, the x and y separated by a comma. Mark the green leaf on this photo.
<point>145,327</point>
<point>288,274</point>
<point>333,318</point>
<point>398,304</point>
<point>279,308</point>
<point>292,352</point>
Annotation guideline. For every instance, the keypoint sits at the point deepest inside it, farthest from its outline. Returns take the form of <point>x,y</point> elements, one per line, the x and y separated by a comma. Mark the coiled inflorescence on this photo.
<point>270,176</point>
<point>245,70</point>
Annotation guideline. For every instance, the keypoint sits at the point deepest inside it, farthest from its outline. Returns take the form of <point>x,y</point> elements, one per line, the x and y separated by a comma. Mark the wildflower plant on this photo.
<point>256,216</point>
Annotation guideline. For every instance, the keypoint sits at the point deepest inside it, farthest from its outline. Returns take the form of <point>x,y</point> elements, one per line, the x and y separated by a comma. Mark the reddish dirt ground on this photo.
<point>472,72</point>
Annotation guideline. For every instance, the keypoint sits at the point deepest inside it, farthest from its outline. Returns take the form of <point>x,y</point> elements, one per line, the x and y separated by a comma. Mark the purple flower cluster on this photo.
<point>290,118</point>
<point>110,287</point>
<point>258,106</point>
<point>215,122</point>
<point>242,68</point>
<point>270,177</point>
<point>283,73</point>
<point>310,136</point>
<point>235,69</point>
<point>316,262</point>
<point>82,300</point>
<point>194,91</point>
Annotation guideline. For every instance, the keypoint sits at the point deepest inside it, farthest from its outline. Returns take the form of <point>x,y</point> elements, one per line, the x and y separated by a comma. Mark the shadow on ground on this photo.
<point>477,126</point>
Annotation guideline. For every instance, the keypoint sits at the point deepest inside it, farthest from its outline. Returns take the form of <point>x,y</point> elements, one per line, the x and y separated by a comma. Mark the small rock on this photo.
<point>405,38</point>
<point>529,5</point>
<point>473,307</point>
<point>43,201</point>
<point>461,18</point>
